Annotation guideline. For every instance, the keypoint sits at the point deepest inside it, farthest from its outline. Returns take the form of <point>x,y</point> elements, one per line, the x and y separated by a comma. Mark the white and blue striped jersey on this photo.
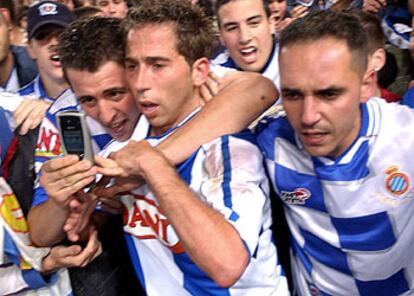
<point>228,174</point>
<point>37,90</point>
<point>270,69</point>
<point>48,143</point>
<point>351,218</point>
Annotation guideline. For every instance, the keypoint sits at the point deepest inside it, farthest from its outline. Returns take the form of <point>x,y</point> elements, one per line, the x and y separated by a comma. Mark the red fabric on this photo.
<point>11,150</point>
<point>389,96</point>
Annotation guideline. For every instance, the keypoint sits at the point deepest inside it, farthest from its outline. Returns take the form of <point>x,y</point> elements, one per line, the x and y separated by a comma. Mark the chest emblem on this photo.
<point>396,182</point>
<point>296,197</point>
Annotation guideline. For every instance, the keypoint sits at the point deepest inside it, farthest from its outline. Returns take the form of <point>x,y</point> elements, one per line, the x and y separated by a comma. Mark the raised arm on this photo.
<point>243,96</point>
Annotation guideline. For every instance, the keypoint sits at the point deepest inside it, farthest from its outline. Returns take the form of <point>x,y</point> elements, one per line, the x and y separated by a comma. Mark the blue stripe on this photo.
<point>196,281</point>
<point>367,233</point>
<point>226,171</point>
<point>365,119</point>
<point>325,253</point>
<point>185,169</point>
<point>32,277</point>
<point>101,140</point>
<point>227,194</point>
<point>133,255</point>
<point>392,286</point>
<point>268,130</point>
<point>298,252</point>
<point>354,170</point>
<point>35,280</point>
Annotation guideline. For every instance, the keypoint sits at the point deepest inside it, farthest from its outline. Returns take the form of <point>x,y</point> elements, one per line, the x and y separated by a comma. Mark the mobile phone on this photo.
<point>74,134</point>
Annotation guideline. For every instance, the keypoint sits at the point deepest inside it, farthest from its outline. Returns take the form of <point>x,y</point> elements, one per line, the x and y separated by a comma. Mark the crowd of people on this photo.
<point>242,147</point>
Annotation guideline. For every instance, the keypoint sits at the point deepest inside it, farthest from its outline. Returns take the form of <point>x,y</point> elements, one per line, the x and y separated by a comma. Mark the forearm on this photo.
<point>208,238</point>
<point>240,102</point>
<point>46,222</point>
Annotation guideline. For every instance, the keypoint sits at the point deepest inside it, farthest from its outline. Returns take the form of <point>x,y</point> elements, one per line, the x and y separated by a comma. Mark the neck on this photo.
<point>6,67</point>
<point>185,112</point>
<point>53,87</point>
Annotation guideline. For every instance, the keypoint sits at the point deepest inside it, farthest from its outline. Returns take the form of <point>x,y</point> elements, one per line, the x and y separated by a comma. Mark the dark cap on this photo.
<point>47,12</point>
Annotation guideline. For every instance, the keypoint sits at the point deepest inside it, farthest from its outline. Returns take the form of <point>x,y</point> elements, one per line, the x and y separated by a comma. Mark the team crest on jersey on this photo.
<point>396,182</point>
<point>296,197</point>
<point>144,219</point>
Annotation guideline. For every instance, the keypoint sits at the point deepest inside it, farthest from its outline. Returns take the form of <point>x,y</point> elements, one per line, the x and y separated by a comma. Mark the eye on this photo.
<point>254,23</point>
<point>230,28</point>
<point>158,66</point>
<point>130,67</point>
<point>291,96</point>
<point>116,95</point>
<point>87,101</point>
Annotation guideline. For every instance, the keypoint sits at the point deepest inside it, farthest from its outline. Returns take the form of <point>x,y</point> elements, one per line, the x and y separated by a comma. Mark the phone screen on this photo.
<point>72,135</point>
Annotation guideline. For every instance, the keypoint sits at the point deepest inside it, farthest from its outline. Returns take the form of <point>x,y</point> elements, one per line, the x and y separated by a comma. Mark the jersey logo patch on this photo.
<point>296,197</point>
<point>144,219</point>
<point>48,143</point>
<point>396,182</point>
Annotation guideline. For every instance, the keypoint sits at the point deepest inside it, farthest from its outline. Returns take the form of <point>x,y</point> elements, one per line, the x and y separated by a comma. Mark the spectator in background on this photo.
<point>377,53</point>
<point>16,67</point>
<point>279,16</point>
<point>113,8</point>
<point>17,34</point>
<point>22,17</point>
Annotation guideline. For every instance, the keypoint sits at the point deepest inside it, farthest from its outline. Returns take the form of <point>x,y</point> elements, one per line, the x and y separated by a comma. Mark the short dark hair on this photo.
<point>220,3</point>
<point>372,26</point>
<point>320,25</point>
<point>193,29</point>
<point>89,43</point>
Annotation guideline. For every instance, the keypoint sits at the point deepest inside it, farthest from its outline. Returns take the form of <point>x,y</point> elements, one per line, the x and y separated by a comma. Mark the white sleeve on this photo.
<point>235,183</point>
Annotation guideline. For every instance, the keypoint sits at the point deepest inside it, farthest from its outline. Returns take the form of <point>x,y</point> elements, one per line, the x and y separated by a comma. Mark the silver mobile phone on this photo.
<point>74,134</point>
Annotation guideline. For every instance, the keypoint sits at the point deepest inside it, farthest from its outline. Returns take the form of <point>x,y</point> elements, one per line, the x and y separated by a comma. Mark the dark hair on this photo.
<point>89,43</point>
<point>193,29</point>
<point>220,3</point>
<point>372,26</point>
<point>319,25</point>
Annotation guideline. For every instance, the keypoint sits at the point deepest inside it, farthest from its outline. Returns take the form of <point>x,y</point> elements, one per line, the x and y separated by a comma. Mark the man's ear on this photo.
<point>377,60</point>
<point>368,85</point>
<point>30,50</point>
<point>200,70</point>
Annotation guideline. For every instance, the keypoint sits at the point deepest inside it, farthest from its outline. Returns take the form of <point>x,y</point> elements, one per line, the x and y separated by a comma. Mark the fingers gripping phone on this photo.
<point>74,134</point>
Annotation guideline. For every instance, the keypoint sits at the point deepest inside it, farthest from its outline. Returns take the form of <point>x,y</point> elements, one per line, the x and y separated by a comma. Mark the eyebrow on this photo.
<point>252,18</point>
<point>117,88</point>
<point>148,60</point>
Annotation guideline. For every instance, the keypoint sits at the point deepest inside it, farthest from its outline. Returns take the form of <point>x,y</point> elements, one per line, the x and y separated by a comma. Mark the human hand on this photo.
<point>373,6</point>
<point>73,256</point>
<point>299,11</point>
<point>29,114</point>
<point>210,87</point>
<point>63,177</point>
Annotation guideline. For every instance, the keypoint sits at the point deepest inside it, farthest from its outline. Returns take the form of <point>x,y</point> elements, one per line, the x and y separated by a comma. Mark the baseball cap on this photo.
<point>47,12</point>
